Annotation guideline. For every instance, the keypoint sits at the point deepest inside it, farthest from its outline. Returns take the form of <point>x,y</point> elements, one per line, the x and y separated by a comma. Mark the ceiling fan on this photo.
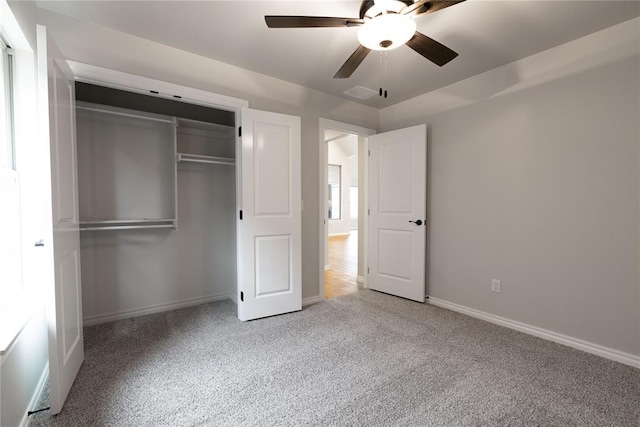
<point>384,25</point>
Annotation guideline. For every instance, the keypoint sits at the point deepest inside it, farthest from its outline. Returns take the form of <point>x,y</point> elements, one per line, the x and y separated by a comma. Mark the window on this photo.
<point>10,230</point>
<point>335,178</point>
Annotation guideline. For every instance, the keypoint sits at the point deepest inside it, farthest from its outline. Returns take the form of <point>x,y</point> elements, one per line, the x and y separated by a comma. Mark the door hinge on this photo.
<point>369,211</point>
<point>369,152</point>
<point>240,214</point>
<point>368,271</point>
<point>240,131</point>
<point>241,296</point>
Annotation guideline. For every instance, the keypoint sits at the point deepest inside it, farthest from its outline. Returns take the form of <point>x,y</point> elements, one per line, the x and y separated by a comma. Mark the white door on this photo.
<point>64,301</point>
<point>397,218</point>
<point>269,233</point>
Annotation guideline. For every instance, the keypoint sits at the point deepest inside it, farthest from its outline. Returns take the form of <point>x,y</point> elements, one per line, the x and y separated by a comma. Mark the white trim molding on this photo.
<point>151,309</point>
<point>598,350</point>
<point>234,298</point>
<point>37,395</point>
<point>360,279</point>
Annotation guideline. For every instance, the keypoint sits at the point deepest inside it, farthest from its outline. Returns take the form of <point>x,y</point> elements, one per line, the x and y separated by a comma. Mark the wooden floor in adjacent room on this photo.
<point>341,277</point>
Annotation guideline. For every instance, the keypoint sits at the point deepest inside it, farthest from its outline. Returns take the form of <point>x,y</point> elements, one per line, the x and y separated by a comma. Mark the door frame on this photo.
<point>323,226</point>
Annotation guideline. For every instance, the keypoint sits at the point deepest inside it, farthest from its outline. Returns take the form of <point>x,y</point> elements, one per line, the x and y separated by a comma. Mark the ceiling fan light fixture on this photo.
<point>386,31</point>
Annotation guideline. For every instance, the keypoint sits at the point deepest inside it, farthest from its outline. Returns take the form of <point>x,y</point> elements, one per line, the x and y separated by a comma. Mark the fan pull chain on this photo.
<point>383,74</point>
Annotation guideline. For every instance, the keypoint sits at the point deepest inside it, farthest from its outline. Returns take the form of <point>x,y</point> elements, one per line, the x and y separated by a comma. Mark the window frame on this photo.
<point>12,277</point>
<point>15,307</point>
<point>9,100</point>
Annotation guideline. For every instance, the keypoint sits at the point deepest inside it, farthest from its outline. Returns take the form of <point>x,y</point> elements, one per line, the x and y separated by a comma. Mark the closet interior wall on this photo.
<point>141,174</point>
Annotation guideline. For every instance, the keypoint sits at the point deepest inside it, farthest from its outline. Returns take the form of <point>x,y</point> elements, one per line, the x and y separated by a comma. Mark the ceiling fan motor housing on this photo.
<point>386,29</point>
<point>368,8</point>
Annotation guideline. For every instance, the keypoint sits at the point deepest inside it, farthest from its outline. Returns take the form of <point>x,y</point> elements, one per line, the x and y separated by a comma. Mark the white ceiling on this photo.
<point>486,34</point>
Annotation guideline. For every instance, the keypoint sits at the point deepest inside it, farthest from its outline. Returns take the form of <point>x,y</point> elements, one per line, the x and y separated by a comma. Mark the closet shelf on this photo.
<point>195,158</point>
<point>128,224</point>
<point>123,114</point>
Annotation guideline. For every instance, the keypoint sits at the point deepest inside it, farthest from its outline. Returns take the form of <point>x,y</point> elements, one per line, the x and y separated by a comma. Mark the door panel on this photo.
<point>64,301</point>
<point>70,298</point>
<point>395,173</point>
<point>392,259</point>
<point>397,195</point>
<point>66,200</point>
<point>273,265</point>
<point>270,265</point>
<point>272,151</point>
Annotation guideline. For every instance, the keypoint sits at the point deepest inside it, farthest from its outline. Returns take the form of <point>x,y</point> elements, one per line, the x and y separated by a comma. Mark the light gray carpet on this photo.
<point>363,359</point>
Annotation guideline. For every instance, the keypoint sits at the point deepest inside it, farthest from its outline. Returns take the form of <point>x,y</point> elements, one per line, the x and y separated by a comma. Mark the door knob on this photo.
<point>40,243</point>
<point>418,222</point>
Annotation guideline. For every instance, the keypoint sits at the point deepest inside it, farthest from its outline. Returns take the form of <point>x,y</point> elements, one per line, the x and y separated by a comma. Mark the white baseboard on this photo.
<point>311,300</point>
<point>37,394</point>
<point>360,279</point>
<point>598,350</point>
<point>157,308</point>
<point>326,267</point>
<point>347,233</point>
<point>233,297</point>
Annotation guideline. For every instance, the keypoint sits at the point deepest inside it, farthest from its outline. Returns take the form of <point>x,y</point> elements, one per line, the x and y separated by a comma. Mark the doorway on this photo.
<point>341,270</point>
<point>343,205</point>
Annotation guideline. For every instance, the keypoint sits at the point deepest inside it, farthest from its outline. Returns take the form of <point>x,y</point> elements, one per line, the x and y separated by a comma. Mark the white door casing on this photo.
<point>397,196</point>
<point>269,244</point>
<point>64,299</point>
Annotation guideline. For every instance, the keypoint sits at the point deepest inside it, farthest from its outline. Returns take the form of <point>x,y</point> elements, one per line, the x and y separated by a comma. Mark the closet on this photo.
<point>157,202</point>
<point>160,201</point>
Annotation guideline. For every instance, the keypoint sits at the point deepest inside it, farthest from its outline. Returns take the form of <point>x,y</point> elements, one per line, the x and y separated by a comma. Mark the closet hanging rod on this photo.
<point>128,221</point>
<point>205,159</point>
<point>126,227</point>
<point>118,113</point>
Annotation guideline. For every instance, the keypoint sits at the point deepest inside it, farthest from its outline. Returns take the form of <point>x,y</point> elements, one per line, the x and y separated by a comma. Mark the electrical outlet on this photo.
<point>495,285</point>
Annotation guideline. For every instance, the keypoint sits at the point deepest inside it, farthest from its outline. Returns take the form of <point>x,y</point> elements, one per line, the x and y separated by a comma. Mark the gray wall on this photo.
<point>540,188</point>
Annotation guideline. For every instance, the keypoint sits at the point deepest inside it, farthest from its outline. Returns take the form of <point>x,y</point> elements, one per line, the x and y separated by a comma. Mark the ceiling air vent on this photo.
<point>360,92</point>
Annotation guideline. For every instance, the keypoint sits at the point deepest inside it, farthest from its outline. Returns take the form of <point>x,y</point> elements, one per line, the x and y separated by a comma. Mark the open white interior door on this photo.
<point>397,203</point>
<point>64,299</point>
<point>269,238</point>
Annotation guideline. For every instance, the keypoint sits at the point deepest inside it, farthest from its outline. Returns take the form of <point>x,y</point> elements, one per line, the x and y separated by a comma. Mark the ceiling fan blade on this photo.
<point>310,21</point>
<point>352,63</point>
<point>435,52</point>
<point>423,7</point>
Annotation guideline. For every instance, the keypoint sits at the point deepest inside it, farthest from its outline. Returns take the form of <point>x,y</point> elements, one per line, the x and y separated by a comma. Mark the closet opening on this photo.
<point>157,202</point>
